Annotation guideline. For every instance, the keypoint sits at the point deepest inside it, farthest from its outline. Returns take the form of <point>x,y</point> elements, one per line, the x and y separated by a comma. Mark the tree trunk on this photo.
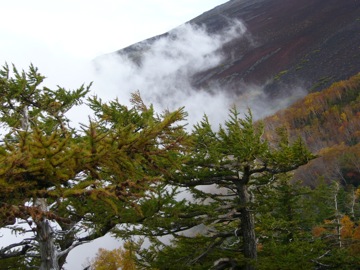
<point>48,250</point>
<point>337,214</point>
<point>247,226</point>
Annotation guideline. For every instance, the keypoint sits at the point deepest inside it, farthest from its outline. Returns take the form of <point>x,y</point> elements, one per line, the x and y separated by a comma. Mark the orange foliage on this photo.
<point>355,246</point>
<point>356,234</point>
<point>318,231</point>
<point>331,116</point>
<point>349,233</point>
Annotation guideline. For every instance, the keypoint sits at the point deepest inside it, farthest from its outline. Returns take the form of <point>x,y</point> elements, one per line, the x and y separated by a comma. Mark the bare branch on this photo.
<point>206,182</point>
<point>66,251</point>
<point>319,263</point>
<point>7,253</point>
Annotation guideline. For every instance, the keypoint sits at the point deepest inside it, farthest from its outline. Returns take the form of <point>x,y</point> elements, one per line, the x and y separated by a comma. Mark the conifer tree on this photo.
<point>233,163</point>
<point>58,179</point>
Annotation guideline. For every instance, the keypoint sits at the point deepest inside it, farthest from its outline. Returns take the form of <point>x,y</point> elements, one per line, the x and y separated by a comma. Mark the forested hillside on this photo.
<point>329,123</point>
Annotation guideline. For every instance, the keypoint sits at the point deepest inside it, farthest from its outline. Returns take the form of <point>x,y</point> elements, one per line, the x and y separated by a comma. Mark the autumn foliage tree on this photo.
<point>122,258</point>
<point>58,179</point>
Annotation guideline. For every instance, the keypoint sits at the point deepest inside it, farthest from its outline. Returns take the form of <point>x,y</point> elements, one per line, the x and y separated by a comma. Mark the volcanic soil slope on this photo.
<point>316,42</point>
<point>309,42</point>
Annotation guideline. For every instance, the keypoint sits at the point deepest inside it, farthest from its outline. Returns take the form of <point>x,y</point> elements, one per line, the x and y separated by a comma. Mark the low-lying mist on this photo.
<point>162,71</point>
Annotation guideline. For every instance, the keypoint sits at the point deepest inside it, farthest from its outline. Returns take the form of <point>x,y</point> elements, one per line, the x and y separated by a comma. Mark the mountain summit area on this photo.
<point>311,43</point>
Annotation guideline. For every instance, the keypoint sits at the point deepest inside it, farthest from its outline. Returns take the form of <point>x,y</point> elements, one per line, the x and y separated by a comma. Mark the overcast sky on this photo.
<point>58,37</point>
<point>51,33</point>
<point>61,38</point>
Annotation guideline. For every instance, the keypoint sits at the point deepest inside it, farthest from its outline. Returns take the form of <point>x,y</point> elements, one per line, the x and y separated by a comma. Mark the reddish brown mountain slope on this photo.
<point>316,42</point>
<point>311,42</point>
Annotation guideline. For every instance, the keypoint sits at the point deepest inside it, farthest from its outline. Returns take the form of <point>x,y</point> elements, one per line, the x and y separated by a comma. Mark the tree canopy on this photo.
<point>61,179</point>
<point>225,198</point>
<point>235,161</point>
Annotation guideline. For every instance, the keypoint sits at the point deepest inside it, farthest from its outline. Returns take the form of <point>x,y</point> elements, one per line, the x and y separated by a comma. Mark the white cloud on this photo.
<point>164,72</point>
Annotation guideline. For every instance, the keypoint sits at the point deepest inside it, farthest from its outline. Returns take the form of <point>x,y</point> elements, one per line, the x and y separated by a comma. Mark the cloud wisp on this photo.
<point>163,71</point>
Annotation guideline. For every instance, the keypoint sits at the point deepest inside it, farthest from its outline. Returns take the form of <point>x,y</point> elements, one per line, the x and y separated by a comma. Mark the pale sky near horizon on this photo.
<point>84,29</point>
<point>56,35</point>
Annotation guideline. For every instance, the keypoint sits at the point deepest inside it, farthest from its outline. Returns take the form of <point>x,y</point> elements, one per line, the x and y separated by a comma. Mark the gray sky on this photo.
<point>61,37</point>
<point>52,31</point>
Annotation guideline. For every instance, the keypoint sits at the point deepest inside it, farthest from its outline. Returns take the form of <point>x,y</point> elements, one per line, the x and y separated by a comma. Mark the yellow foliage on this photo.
<point>114,259</point>
<point>347,227</point>
<point>357,193</point>
<point>343,117</point>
